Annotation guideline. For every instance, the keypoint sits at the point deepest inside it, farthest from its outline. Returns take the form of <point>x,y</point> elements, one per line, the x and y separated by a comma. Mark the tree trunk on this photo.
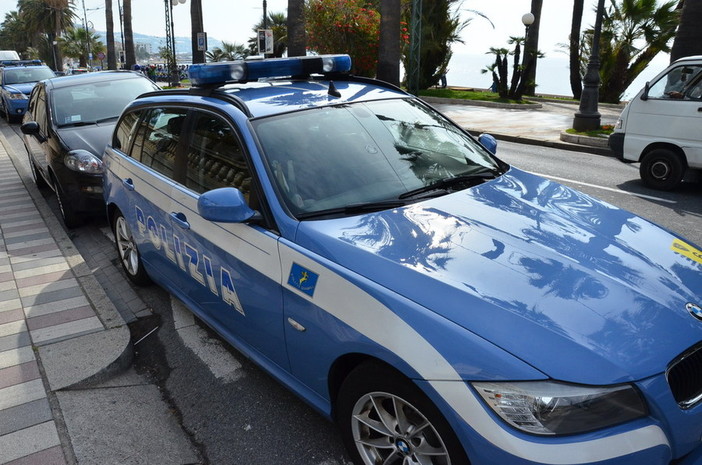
<point>688,38</point>
<point>197,26</point>
<point>109,23</point>
<point>389,47</point>
<point>297,43</point>
<point>531,49</point>
<point>129,55</point>
<point>576,82</point>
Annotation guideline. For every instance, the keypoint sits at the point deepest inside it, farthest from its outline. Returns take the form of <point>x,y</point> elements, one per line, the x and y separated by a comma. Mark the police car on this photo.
<point>17,79</point>
<point>441,306</point>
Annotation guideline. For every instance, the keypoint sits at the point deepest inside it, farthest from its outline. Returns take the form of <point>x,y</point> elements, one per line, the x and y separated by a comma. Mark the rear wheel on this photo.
<point>127,250</point>
<point>662,169</point>
<point>384,418</point>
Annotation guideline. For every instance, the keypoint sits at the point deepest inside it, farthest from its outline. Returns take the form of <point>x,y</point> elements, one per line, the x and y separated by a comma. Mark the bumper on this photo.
<point>16,107</point>
<point>616,144</point>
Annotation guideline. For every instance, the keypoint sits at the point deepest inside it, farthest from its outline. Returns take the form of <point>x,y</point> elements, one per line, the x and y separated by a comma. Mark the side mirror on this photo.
<point>489,142</point>
<point>644,95</point>
<point>224,205</point>
<point>30,128</point>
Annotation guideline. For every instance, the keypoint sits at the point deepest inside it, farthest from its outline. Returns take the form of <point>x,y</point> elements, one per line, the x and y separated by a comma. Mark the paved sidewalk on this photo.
<point>57,328</point>
<point>540,124</point>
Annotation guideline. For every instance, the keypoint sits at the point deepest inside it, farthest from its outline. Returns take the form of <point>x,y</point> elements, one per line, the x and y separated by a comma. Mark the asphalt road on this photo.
<point>231,411</point>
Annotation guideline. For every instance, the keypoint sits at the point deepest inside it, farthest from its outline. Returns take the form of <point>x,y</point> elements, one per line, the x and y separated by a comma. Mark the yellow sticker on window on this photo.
<point>686,250</point>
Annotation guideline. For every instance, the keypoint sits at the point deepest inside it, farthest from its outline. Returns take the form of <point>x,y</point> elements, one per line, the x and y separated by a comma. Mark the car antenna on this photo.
<point>332,90</point>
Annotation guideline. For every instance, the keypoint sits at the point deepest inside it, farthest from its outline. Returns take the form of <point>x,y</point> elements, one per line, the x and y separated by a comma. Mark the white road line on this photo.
<point>610,189</point>
<point>220,362</point>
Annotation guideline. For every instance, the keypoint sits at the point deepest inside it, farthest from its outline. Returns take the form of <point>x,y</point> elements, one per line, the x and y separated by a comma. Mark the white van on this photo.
<point>8,55</point>
<point>662,126</point>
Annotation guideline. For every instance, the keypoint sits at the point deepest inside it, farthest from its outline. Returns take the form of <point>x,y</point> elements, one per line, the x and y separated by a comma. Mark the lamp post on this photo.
<point>588,118</point>
<point>170,42</point>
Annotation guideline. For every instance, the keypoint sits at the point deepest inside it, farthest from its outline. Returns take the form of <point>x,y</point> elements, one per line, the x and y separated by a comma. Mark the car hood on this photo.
<point>579,289</point>
<point>92,138</point>
<point>25,88</point>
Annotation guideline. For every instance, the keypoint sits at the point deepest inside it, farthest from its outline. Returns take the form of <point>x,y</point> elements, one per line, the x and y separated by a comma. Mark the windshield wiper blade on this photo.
<point>75,124</point>
<point>354,209</point>
<point>469,180</point>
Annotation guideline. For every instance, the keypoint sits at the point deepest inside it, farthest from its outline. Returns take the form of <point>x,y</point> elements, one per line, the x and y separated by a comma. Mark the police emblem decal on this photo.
<point>303,279</point>
<point>694,310</point>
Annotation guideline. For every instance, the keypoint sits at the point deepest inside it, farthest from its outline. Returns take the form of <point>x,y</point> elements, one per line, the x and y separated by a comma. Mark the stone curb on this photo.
<point>584,140</point>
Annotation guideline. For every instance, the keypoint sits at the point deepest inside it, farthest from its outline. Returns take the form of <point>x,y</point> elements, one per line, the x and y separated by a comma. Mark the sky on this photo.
<point>232,21</point>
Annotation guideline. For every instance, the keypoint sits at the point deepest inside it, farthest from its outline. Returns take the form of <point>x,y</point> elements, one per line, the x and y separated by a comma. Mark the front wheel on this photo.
<point>127,250</point>
<point>662,169</point>
<point>385,418</point>
<point>68,214</point>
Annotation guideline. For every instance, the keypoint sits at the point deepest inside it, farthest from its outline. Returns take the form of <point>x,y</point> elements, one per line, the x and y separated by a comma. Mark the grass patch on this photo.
<point>605,130</point>
<point>468,95</point>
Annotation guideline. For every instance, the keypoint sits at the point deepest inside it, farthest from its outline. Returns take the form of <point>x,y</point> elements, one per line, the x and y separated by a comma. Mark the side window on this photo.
<point>676,83</point>
<point>39,108</point>
<point>124,130</point>
<point>215,157</point>
<point>157,139</point>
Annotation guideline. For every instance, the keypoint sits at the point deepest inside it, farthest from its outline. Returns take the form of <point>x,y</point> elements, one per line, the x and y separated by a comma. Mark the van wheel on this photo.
<point>662,169</point>
<point>385,418</point>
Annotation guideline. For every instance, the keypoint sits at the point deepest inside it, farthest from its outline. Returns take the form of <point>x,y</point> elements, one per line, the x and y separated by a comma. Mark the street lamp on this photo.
<point>588,118</point>
<point>170,42</point>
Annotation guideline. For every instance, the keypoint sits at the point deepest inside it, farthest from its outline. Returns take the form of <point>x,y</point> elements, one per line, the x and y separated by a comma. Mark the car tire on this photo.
<point>69,216</point>
<point>39,180</point>
<point>129,255</point>
<point>662,169</point>
<point>420,434</point>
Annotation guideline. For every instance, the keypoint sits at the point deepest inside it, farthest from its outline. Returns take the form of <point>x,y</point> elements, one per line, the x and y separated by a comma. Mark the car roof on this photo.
<point>265,95</point>
<point>87,78</point>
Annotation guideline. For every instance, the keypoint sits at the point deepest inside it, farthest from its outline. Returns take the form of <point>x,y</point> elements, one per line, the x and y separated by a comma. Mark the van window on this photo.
<point>676,83</point>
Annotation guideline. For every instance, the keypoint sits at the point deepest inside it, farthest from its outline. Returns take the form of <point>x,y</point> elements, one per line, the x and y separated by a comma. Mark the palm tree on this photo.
<point>109,23</point>
<point>576,83</point>
<point>688,39</point>
<point>531,49</point>
<point>228,52</point>
<point>196,26</point>
<point>129,55</point>
<point>389,47</point>
<point>633,33</point>
<point>45,20</point>
<point>13,33</point>
<point>74,44</point>
<point>297,42</point>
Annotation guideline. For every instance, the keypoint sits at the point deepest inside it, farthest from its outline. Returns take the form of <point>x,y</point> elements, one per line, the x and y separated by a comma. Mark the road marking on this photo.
<point>610,189</point>
<point>218,360</point>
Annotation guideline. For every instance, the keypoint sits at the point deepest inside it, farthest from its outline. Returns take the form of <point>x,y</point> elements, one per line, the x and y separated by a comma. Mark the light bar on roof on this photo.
<point>242,71</point>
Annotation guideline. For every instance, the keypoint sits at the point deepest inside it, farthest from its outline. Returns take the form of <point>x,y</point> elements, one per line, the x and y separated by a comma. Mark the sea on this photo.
<point>552,73</point>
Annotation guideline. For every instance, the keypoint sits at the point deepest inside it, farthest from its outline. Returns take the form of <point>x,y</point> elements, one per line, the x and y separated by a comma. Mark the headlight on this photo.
<point>17,96</point>
<point>619,124</point>
<point>83,161</point>
<point>548,408</point>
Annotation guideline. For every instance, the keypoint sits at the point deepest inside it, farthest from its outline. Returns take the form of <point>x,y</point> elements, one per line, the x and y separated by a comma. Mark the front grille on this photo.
<point>685,377</point>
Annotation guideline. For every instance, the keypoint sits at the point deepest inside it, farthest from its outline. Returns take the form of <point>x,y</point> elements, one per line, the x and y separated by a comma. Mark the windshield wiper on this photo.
<point>466,180</point>
<point>76,124</point>
<point>109,118</point>
<point>354,209</point>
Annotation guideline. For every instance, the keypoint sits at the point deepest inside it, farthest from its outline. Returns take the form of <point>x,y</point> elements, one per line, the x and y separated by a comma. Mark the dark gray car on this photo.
<point>68,122</point>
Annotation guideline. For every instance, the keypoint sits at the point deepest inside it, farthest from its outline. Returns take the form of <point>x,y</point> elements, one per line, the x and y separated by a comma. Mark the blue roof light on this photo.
<point>241,71</point>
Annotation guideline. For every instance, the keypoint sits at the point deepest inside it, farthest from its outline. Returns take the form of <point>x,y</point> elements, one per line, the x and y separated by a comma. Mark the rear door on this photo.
<point>142,177</point>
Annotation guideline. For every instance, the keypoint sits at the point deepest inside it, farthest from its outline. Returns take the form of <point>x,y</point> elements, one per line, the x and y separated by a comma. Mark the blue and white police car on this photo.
<point>441,306</point>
